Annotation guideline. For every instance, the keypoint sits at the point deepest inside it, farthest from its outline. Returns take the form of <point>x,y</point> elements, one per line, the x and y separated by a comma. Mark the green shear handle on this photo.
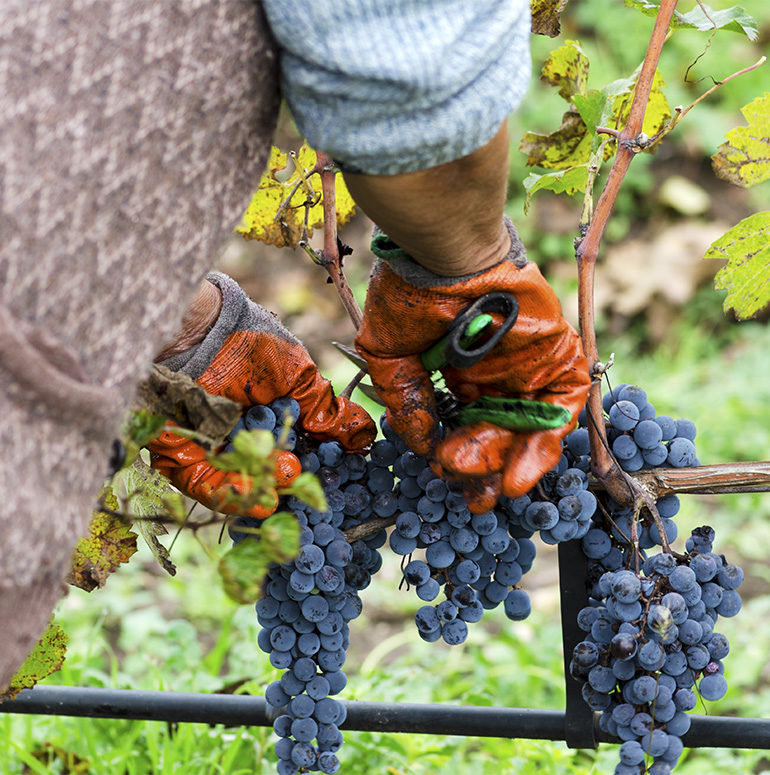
<point>457,349</point>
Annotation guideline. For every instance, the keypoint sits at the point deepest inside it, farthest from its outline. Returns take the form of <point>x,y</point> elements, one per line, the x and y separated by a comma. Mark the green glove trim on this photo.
<point>383,247</point>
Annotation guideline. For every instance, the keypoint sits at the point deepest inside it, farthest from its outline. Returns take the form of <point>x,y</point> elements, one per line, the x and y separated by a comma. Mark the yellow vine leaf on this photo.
<point>746,276</point>
<point>573,143</point>
<point>745,158</point>
<point>546,16</point>
<point>109,543</point>
<point>567,68</point>
<point>262,219</point>
<point>45,658</point>
<point>58,759</point>
<point>656,115</point>
<point>568,146</point>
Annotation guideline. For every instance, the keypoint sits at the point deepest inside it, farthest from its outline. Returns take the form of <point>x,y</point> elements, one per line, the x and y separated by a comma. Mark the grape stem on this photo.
<point>725,478</point>
<point>330,258</point>
<point>587,251</point>
<point>351,386</point>
<point>368,528</point>
<point>650,485</point>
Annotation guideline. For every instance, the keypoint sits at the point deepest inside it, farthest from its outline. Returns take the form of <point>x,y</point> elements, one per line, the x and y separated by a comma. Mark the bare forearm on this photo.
<point>448,218</point>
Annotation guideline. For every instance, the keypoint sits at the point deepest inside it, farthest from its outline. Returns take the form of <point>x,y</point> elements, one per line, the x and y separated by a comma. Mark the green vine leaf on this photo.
<point>243,568</point>
<point>308,489</point>
<point>566,68</point>
<point>251,454</point>
<point>746,276</point>
<point>45,658</point>
<point>150,531</point>
<point>146,493</point>
<point>109,543</point>
<point>546,16</point>
<point>279,536</point>
<point>594,107</point>
<point>569,181</point>
<point>745,158</point>
<point>734,19</point>
<point>703,17</point>
<point>143,426</point>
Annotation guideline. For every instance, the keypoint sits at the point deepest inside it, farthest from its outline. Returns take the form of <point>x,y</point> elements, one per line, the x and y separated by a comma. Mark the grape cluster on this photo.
<point>649,641</point>
<point>639,440</point>
<point>478,559</point>
<point>650,638</point>
<point>308,602</point>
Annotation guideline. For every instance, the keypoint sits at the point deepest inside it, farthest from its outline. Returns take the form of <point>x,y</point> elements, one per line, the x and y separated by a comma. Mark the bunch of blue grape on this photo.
<point>476,560</point>
<point>650,642</point>
<point>308,602</point>
<point>639,440</point>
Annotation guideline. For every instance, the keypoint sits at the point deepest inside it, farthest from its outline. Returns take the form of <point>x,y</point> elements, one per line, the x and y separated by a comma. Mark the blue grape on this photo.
<point>686,429</point>
<point>577,442</point>
<point>648,434</point>
<point>260,418</point>
<point>429,590</point>
<point>634,394</point>
<point>330,453</point>
<point>624,415</point>
<point>625,448</point>
<point>681,452</point>
<point>517,605</point>
<point>454,632</point>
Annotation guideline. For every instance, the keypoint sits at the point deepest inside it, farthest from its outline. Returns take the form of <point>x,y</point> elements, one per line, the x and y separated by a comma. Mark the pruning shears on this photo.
<point>464,346</point>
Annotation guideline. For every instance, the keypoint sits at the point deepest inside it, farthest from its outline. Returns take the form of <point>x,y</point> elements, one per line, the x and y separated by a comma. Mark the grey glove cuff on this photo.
<point>238,313</point>
<point>415,274</point>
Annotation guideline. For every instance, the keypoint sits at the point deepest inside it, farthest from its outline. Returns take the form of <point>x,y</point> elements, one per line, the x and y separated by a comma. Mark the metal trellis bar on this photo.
<point>577,725</point>
<point>467,721</point>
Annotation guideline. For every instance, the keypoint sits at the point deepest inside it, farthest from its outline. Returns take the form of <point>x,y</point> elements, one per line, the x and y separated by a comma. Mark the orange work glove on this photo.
<point>250,358</point>
<point>408,308</point>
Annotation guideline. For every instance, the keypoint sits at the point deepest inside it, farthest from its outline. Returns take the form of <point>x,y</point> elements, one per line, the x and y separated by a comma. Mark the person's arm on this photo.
<point>416,121</point>
<point>448,218</point>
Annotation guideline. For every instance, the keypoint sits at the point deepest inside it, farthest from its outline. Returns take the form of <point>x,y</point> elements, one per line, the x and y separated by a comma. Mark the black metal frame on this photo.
<point>577,724</point>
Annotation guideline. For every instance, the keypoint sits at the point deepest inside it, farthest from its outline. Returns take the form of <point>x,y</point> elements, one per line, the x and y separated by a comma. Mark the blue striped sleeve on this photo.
<point>390,87</point>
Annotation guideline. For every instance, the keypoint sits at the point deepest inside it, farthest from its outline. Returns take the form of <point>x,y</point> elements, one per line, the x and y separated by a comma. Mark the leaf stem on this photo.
<point>680,113</point>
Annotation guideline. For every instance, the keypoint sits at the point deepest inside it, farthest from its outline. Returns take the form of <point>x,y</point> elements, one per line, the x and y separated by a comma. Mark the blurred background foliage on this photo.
<point>661,317</point>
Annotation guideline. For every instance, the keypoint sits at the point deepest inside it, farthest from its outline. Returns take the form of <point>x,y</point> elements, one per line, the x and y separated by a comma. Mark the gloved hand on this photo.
<point>409,308</point>
<point>250,358</point>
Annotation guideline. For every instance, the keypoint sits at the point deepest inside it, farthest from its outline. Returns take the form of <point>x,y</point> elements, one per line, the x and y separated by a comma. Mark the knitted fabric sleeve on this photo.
<point>391,87</point>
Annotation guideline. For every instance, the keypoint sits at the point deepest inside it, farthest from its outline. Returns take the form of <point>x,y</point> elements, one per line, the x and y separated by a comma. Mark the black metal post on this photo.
<point>579,723</point>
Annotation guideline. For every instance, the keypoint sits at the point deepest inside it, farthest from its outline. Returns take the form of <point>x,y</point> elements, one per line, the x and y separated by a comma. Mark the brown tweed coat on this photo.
<point>132,133</point>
